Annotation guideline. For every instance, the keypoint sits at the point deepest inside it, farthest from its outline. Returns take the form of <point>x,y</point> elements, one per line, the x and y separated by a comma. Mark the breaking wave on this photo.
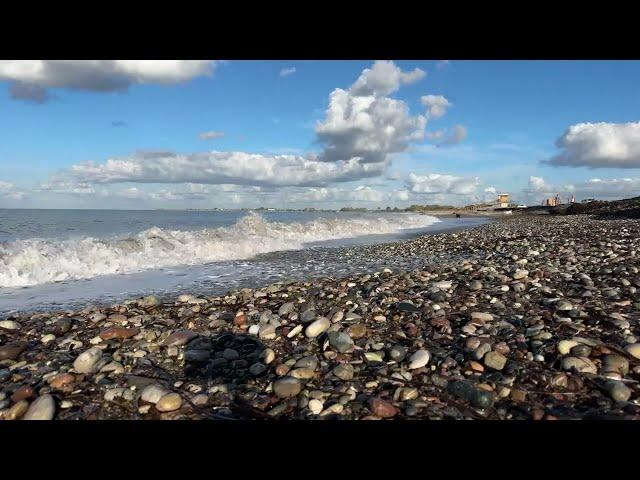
<point>35,261</point>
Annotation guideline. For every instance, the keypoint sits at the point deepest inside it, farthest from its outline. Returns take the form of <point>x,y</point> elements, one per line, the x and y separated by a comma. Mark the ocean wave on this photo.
<point>35,261</point>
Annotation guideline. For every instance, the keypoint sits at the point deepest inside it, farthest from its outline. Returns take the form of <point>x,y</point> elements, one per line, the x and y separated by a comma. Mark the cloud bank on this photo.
<point>32,79</point>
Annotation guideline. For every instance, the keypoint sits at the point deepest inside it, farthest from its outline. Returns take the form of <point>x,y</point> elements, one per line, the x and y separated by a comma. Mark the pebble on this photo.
<point>43,408</point>
<point>179,338</point>
<point>287,387</point>
<point>633,350</point>
<point>317,327</point>
<point>87,362</point>
<point>315,406</point>
<point>153,393</point>
<point>11,351</point>
<point>495,360</point>
<point>340,341</point>
<point>10,325</point>
<point>419,359</point>
<point>618,391</point>
<point>344,371</point>
<point>17,410</point>
<point>581,364</point>
<point>382,408</point>
<point>169,402</point>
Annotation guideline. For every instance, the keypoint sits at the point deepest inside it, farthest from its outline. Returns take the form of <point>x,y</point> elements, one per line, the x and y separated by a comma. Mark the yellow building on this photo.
<point>503,200</point>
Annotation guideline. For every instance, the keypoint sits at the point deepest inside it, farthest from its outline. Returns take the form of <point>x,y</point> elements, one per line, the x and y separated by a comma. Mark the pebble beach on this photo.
<point>525,318</point>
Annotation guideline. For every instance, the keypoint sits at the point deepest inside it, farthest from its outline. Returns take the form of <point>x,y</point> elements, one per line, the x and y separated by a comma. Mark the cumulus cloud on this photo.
<point>363,123</point>
<point>31,79</point>
<point>361,130</point>
<point>285,72</point>
<point>435,183</point>
<point>456,135</point>
<point>383,78</point>
<point>437,105</point>
<point>211,135</point>
<point>599,145</point>
<point>223,167</point>
<point>436,135</point>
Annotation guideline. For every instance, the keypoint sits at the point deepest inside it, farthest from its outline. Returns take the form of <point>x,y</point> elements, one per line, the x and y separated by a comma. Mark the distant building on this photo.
<point>503,200</point>
<point>552,201</point>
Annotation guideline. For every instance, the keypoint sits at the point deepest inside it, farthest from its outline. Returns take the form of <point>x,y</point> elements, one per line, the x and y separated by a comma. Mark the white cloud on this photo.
<point>211,135</point>
<point>437,105</point>
<point>10,191</point>
<point>599,145</point>
<point>223,167</point>
<point>361,130</point>
<point>435,183</point>
<point>607,189</point>
<point>437,135</point>
<point>31,79</point>
<point>367,127</point>
<point>287,71</point>
<point>383,78</point>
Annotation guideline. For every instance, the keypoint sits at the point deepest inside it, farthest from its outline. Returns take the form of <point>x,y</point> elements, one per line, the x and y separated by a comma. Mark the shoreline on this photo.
<point>527,318</point>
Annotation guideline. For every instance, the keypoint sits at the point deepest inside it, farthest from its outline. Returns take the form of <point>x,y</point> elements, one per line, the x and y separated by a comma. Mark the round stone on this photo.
<point>475,285</point>
<point>169,402</point>
<point>43,408</point>
<point>315,406</point>
<point>317,327</point>
<point>564,305</point>
<point>565,346</point>
<point>397,353</point>
<point>618,391</point>
<point>633,350</point>
<point>153,393</point>
<point>340,341</point>
<point>17,410</point>
<point>580,364</point>
<point>419,359</point>
<point>287,387</point>
<point>268,356</point>
<point>495,360</point>
<point>344,371</point>
<point>12,350</point>
<point>87,362</point>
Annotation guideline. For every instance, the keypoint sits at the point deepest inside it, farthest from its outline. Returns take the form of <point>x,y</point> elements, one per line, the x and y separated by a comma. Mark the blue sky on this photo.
<point>502,120</point>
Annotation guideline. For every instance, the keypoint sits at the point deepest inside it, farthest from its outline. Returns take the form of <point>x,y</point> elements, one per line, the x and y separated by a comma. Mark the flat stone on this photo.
<point>61,380</point>
<point>397,353</point>
<point>268,356</point>
<point>344,371</point>
<point>43,408</point>
<point>119,333</point>
<point>310,362</point>
<point>495,360</point>
<point>475,285</point>
<point>11,351</point>
<point>267,332</point>
<point>580,364</point>
<point>382,408</point>
<point>357,330</point>
<point>169,402</point>
<point>10,325</point>
<point>563,305</point>
<point>287,387</point>
<point>419,359</point>
<point>87,362</point>
<point>179,338</point>
<point>615,363</point>
<point>301,373</point>
<point>340,341</point>
<point>286,308</point>
<point>23,393</point>
<point>482,316</point>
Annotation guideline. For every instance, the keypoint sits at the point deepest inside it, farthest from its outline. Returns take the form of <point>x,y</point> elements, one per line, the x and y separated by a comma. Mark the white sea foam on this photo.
<point>36,261</point>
